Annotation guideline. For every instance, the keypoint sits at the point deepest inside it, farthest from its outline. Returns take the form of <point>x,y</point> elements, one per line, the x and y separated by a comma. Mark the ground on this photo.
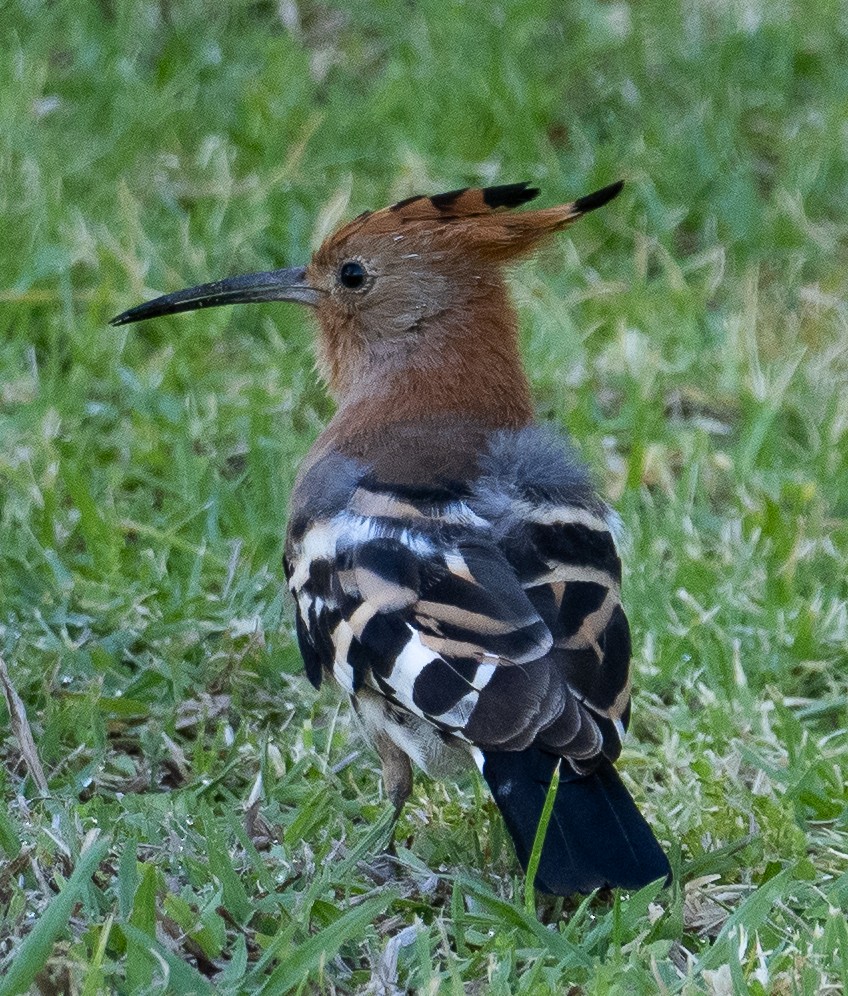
<point>190,815</point>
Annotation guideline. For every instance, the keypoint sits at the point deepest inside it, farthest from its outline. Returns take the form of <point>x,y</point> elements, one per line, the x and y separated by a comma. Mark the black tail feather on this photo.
<point>596,836</point>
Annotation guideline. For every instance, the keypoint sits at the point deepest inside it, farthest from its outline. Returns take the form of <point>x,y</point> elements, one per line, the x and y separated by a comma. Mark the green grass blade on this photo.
<point>538,843</point>
<point>306,957</point>
<point>94,980</point>
<point>506,914</point>
<point>139,971</point>
<point>35,949</point>
<point>183,979</point>
<point>751,915</point>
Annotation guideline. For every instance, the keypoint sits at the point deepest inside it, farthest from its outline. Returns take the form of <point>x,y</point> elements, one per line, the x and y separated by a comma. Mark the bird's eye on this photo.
<point>352,275</point>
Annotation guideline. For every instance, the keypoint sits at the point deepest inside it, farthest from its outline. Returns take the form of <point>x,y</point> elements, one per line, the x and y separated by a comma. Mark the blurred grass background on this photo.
<point>692,336</point>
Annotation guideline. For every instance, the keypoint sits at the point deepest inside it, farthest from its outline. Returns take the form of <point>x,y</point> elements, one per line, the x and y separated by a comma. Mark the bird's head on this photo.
<point>397,288</point>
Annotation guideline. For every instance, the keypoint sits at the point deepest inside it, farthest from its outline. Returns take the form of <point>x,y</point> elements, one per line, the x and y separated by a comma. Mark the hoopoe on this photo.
<point>452,565</point>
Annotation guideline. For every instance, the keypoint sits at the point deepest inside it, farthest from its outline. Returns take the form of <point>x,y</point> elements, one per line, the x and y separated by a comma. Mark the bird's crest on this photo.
<point>467,202</point>
<point>475,217</point>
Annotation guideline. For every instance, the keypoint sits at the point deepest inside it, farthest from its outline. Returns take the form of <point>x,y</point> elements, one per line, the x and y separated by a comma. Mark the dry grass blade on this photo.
<point>22,730</point>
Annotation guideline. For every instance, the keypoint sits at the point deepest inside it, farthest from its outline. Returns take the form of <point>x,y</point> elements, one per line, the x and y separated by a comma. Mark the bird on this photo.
<point>452,564</point>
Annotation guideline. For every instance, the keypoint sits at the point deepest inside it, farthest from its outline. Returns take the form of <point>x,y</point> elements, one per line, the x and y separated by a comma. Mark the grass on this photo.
<point>208,822</point>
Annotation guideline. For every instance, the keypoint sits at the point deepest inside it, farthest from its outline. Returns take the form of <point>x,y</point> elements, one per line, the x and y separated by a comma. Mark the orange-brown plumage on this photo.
<point>434,329</point>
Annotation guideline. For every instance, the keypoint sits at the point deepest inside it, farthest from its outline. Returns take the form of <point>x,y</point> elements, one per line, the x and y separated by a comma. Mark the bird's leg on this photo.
<point>397,778</point>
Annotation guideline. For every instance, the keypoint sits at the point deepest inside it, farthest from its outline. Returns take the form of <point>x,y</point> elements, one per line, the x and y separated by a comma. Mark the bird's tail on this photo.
<point>596,836</point>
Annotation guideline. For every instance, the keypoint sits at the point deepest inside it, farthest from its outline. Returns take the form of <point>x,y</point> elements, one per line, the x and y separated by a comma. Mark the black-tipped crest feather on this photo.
<point>597,199</point>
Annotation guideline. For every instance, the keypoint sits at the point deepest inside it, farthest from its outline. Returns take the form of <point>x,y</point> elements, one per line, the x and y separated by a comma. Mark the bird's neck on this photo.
<point>460,364</point>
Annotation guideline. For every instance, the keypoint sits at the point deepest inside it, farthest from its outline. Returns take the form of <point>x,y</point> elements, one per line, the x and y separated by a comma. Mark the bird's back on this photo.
<point>470,576</point>
<point>461,583</point>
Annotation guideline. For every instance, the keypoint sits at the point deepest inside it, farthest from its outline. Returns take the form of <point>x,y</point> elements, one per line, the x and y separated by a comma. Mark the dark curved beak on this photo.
<point>274,285</point>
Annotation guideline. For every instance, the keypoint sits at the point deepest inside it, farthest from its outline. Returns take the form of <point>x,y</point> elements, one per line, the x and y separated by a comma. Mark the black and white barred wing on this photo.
<point>383,594</point>
<point>566,559</point>
<point>504,630</point>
